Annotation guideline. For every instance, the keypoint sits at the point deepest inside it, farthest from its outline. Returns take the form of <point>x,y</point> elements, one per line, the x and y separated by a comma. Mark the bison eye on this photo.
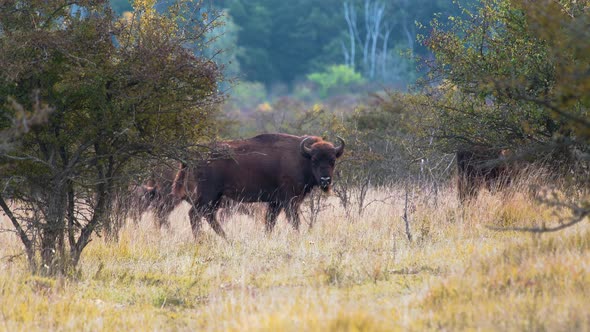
<point>332,162</point>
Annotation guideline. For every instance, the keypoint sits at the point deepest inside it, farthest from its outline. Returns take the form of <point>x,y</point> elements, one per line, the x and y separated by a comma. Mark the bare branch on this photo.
<point>544,229</point>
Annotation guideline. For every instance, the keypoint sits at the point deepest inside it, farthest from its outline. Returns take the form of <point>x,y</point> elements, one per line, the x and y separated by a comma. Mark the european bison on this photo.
<point>481,166</point>
<point>156,195</point>
<point>278,169</point>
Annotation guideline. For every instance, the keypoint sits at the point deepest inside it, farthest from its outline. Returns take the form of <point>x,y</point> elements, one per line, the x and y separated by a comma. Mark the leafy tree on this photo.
<point>337,76</point>
<point>123,92</point>
<point>21,121</point>
<point>497,75</point>
<point>516,74</point>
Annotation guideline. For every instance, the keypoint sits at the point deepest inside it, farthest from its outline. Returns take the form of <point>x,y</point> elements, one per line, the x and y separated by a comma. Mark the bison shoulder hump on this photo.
<point>273,138</point>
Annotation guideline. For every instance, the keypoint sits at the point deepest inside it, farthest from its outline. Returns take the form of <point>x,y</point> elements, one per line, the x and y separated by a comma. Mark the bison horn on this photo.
<point>305,151</point>
<point>340,148</point>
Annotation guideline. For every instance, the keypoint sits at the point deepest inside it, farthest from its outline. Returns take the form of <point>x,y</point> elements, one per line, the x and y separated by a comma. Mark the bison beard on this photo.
<point>278,169</point>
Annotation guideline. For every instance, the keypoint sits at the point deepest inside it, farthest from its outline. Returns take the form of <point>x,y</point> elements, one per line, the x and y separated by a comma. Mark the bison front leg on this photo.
<point>274,208</point>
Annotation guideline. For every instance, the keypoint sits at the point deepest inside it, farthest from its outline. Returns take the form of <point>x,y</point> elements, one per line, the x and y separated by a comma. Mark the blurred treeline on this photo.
<point>279,43</point>
<point>285,62</point>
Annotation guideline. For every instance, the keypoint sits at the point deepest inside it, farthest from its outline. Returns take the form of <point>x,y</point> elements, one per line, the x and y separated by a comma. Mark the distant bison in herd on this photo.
<point>277,169</point>
<point>479,167</point>
<point>155,194</point>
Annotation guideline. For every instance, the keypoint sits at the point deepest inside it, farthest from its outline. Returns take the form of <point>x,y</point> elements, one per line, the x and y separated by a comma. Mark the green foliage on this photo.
<point>508,74</point>
<point>122,92</point>
<point>388,129</point>
<point>16,121</point>
<point>280,41</point>
<point>248,94</point>
<point>283,39</point>
<point>336,77</point>
<point>513,74</point>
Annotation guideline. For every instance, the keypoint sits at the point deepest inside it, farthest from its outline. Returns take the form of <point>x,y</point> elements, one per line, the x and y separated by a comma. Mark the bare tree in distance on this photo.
<point>376,28</point>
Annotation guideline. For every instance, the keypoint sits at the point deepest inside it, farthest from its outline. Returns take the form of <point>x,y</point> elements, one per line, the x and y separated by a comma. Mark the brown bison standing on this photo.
<point>478,167</point>
<point>278,169</point>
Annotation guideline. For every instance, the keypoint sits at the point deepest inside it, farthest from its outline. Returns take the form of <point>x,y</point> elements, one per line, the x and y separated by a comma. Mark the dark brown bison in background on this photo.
<point>155,195</point>
<point>278,169</point>
<point>481,166</point>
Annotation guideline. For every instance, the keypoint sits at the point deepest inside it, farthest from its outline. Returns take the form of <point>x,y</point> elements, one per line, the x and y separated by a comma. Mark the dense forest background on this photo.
<point>279,43</point>
<point>288,64</point>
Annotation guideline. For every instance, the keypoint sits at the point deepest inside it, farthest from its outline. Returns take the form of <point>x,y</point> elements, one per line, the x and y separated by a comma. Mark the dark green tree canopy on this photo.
<point>284,40</point>
<point>505,74</point>
<point>280,42</point>
<point>123,91</point>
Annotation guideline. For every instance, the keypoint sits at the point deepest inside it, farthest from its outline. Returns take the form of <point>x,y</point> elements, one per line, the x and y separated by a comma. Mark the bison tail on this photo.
<point>179,184</point>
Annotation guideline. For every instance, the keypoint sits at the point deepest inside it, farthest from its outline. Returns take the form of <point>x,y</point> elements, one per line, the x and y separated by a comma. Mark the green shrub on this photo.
<point>336,77</point>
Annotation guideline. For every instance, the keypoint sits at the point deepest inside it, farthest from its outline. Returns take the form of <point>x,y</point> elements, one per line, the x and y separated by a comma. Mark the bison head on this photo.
<point>323,157</point>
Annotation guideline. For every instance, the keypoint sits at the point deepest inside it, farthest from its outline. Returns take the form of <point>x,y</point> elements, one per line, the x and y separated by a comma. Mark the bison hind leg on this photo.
<point>215,224</point>
<point>208,208</point>
<point>195,216</point>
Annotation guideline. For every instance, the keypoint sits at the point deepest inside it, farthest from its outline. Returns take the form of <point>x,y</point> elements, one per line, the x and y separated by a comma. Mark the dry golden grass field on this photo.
<point>346,274</point>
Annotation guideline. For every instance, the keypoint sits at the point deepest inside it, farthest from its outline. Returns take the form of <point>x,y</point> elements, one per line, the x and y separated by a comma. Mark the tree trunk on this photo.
<point>367,34</point>
<point>104,191</point>
<point>350,16</point>
<point>53,228</point>
<point>377,14</point>
<point>384,54</point>
<point>98,217</point>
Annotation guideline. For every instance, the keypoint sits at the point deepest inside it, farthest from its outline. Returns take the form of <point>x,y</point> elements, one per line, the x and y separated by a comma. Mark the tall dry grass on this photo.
<point>347,273</point>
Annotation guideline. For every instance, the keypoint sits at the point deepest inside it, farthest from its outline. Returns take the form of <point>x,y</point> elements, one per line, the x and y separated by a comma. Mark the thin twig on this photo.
<point>541,229</point>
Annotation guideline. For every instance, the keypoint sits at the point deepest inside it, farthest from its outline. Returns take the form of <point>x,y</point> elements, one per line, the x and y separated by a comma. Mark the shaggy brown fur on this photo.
<point>278,169</point>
